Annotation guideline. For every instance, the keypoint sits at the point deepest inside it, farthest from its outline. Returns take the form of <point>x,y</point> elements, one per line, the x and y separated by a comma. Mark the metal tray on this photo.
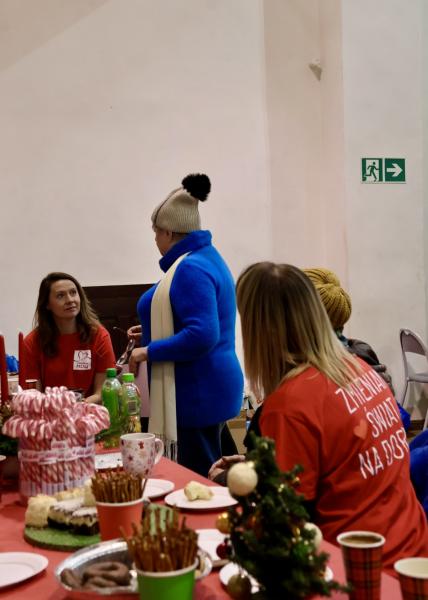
<point>114,550</point>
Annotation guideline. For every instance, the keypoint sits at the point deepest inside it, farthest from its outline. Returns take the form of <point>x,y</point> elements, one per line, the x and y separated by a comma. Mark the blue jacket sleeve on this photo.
<point>194,306</point>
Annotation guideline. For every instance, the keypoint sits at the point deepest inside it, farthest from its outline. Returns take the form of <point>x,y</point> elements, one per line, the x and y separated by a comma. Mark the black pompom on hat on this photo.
<point>179,211</point>
<point>198,185</point>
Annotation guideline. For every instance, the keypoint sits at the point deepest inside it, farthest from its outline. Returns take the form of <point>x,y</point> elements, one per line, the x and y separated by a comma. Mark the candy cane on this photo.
<point>55,416</point>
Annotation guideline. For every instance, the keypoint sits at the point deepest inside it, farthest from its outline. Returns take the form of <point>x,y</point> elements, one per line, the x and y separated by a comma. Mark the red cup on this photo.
<point>413,575</point>
<point>362,555</point>
<point>115,518</point>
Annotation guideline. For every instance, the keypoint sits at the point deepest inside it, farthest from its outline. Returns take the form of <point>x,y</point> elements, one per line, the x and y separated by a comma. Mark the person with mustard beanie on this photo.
<point>338,306</point>
<point>336,301</point>
<point>188,333</point>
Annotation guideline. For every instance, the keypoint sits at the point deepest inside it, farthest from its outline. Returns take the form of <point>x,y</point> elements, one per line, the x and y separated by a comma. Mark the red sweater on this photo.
<point>355,456</point>
<point>76,363</point>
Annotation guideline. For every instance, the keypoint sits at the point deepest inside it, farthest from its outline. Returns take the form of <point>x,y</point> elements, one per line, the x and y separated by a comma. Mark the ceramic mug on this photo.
<point>140,452</point>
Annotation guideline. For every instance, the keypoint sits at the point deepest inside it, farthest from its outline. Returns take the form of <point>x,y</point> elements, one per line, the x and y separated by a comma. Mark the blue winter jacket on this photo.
<point>208,377</point>
<point>419,467</point>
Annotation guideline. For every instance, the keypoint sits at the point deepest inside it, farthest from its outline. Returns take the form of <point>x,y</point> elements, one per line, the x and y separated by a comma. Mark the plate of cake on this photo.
<point>66,521</point>
<point>197,496</point>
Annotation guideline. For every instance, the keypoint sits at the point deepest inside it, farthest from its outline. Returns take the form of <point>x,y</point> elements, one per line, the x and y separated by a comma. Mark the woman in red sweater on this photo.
<point>68,345</point>
<point>328,411</point>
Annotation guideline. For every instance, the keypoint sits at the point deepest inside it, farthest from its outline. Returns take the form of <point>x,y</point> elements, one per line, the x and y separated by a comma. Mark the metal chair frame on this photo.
<point>411,343</point>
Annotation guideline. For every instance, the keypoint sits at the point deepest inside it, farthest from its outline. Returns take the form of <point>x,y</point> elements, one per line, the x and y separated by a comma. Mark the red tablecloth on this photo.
<point>45,587</point>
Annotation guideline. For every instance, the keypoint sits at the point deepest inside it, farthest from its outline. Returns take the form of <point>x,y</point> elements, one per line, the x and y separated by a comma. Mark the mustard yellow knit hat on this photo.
<point>179,211</point>
<point>336,301</point>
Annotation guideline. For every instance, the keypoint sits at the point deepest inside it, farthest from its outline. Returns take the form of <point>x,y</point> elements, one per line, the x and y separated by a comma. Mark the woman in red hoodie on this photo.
<point>328,411</point>
<point>68,345</point>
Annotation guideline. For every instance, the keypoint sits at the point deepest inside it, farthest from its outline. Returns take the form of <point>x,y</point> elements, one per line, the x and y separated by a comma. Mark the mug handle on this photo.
<point>159,445</point>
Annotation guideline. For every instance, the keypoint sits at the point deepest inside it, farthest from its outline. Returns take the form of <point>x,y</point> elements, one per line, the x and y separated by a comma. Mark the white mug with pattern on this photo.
<point>140,452</point>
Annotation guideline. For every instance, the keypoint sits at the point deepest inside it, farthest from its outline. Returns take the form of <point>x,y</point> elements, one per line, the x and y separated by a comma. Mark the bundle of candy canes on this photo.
<point>56,439</point>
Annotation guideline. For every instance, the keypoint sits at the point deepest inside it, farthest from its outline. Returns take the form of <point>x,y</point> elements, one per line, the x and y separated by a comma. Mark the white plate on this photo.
<point>232,569</point>
<point>156,488</point>
<point>221,499</point>
<point>18,566</point>
<point>208,540</point>
<point>108,461</point>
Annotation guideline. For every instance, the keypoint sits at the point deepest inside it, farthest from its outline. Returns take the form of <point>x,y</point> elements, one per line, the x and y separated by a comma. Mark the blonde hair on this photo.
<point>285,329</point>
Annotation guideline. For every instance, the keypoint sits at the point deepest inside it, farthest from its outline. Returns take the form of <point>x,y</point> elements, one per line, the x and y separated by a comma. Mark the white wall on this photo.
<point>382,60</point>
<point>424,109</point>
<point>294,118</point>
<point>368,102</point>
<point>104,107</point>
<point>306,133</point>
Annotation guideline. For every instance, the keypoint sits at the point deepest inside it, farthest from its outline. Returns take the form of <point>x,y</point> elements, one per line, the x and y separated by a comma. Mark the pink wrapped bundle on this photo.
<point>56,439</point>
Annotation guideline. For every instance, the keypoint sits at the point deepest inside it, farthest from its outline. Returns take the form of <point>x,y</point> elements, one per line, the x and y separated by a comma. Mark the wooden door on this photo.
<point>116,307</point>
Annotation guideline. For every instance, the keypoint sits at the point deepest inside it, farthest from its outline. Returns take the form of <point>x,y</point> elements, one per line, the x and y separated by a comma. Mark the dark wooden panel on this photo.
<point>116,307</point>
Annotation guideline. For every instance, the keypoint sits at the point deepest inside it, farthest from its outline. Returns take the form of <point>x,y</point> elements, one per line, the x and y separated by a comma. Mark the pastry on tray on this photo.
<point>37,511</point>
<point>69,494</point>
<point>60,514</point>
<point>88,496</point>
<point>84,521</point>
<point>197,491</point>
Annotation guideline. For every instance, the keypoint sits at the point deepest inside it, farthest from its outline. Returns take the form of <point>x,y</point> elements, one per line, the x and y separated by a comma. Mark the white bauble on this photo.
<point>318,534</point>
<point>242,479</point>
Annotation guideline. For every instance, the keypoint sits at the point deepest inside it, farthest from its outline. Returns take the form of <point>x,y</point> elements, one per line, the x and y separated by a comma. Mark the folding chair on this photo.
<point>411,343</point>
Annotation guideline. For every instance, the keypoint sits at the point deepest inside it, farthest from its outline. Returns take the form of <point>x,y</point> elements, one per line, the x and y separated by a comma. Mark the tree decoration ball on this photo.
<point>242,479</point>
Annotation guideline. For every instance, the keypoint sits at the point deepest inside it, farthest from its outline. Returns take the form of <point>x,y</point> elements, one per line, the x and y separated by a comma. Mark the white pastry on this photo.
<point>69,494</point>
<point>37,511</point>
<point>197,491</point>
<point>88,496</point>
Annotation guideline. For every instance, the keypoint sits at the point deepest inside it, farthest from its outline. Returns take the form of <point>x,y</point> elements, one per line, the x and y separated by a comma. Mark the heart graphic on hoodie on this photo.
<point>360,430</point>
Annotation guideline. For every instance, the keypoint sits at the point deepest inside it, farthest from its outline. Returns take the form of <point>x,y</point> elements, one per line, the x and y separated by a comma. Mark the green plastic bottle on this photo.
<point>111,395</point>
<point>131,403</point>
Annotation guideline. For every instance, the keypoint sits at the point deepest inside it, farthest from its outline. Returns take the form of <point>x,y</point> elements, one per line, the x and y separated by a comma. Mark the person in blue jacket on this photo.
<point>188,333</point>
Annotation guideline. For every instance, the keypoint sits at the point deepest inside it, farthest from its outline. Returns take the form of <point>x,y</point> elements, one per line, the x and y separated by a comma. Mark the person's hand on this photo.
<point>134,333</point>
<point>224,463</point>
<point>138,355</point>
<point>93,399</point>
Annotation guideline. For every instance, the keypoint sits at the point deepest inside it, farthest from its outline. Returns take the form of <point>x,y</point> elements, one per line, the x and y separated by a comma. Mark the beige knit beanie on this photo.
<point>179,211</point>
<point>336,301</point>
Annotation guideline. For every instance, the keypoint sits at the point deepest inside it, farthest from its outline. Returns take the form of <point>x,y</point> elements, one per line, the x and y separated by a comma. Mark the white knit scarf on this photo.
<point>163,415</point>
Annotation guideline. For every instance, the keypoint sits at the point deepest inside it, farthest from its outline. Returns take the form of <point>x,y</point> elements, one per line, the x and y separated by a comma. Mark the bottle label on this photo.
<point>132,407</point>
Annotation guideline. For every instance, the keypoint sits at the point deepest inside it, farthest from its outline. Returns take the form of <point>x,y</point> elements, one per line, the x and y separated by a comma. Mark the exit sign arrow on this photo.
<point>395,170</point>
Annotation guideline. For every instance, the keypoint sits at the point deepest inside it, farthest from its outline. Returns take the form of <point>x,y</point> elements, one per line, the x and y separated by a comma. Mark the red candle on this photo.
<point>21,376</point>
<point>3,372</point>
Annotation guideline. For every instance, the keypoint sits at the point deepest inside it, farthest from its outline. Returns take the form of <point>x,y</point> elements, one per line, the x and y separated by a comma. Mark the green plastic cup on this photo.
<point>168,585</point>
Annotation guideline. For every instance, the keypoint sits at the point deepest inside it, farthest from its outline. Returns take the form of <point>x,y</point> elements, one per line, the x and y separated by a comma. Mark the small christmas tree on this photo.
<point>269,533</point>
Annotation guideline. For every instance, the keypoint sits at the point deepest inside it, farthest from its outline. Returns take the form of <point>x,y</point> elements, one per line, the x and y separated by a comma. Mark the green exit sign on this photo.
<point>383,170</point>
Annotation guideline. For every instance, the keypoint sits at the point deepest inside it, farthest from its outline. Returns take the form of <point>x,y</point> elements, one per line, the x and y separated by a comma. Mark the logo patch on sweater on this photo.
<point>82,360</point>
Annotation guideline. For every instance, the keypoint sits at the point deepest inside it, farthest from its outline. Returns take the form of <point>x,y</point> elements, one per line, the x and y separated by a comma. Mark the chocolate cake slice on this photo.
<point>60,514</point>
<point>84,521</point>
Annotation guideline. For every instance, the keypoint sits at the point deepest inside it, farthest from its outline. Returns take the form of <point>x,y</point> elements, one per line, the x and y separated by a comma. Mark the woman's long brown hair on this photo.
<point>87,321</point>
<point>285,329</point>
